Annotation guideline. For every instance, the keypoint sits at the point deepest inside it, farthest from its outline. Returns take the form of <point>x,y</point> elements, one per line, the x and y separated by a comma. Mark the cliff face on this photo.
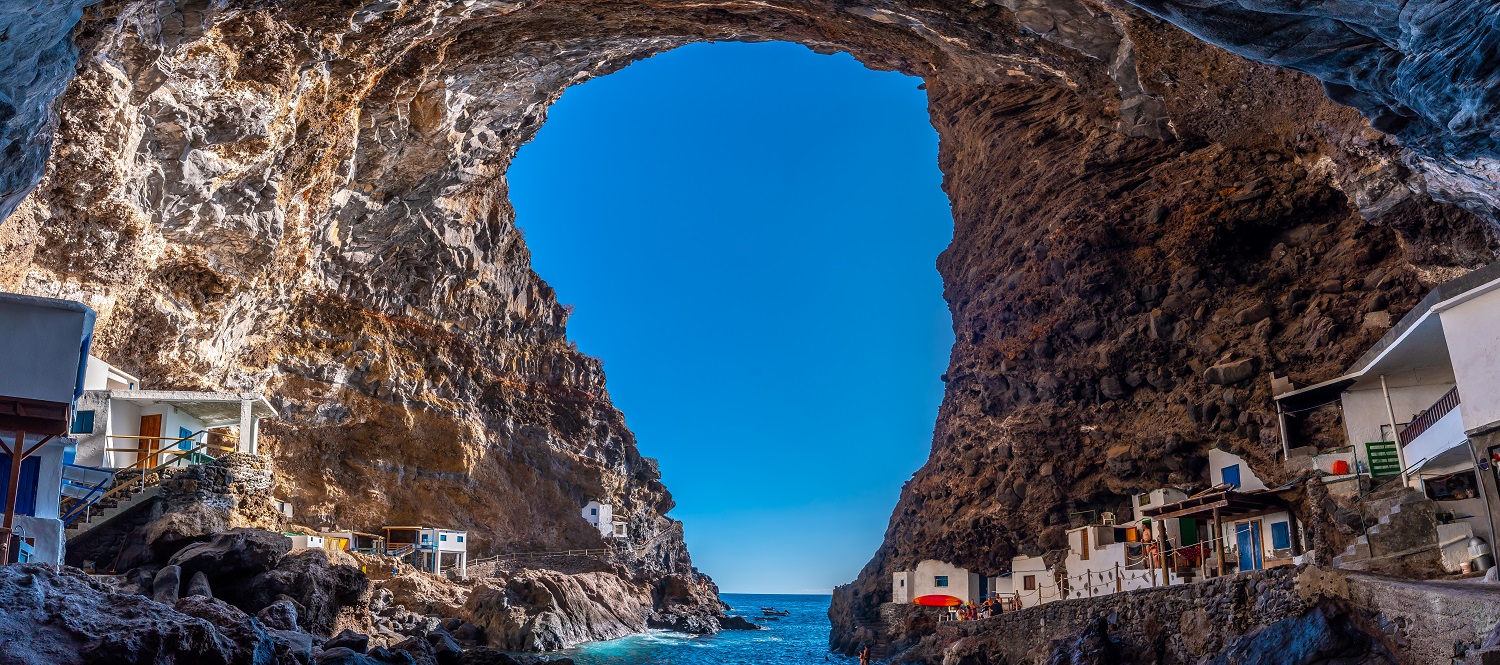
<point>309,198</point>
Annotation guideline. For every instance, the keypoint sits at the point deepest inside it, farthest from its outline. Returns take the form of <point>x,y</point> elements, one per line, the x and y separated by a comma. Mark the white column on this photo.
<point>247,427</point>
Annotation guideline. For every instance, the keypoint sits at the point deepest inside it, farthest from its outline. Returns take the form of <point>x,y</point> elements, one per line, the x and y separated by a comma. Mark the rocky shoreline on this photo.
<point>243,596</point>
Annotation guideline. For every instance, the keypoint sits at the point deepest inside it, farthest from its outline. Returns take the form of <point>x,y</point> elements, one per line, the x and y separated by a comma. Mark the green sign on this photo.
<point>1385,461</point>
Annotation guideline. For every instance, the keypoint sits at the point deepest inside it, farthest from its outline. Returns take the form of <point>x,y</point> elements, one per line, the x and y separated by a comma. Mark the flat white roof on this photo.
<point>209,407</point>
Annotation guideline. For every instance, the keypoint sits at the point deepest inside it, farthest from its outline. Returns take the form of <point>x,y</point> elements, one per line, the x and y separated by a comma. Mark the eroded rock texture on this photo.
<point>309,198</point>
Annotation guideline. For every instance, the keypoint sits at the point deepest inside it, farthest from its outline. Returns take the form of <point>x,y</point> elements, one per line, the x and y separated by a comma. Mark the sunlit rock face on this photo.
<point>309,198</point>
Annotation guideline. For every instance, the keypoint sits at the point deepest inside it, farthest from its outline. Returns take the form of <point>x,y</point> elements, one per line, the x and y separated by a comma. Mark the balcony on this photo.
<point>1426,419</point>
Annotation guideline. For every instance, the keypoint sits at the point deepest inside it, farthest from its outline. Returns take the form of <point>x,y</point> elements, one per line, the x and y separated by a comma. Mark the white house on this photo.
<point>933,582</point>
<point>120,426</point>
<point>42,366</point>
<point>1423,404</point>
<point>1032,581</point>
<point>305,542</point>
<point>1256,528</point>
<point>602,517</point>
<point>430,549</point>
<point>1106,559</point>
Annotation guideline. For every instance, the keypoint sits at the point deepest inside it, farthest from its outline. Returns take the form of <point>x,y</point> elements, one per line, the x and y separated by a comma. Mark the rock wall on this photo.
<point>309,199</point>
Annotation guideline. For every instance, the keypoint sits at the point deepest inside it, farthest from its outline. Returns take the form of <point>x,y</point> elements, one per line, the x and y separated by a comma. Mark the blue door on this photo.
<point>1248,537</point>
<point>26,495</point>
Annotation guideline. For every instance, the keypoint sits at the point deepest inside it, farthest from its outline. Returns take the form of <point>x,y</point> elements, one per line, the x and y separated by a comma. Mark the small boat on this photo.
<point>773,612</point>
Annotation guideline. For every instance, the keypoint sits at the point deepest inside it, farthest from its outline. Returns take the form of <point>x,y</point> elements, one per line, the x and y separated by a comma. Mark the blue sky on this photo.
<point>748,234</point>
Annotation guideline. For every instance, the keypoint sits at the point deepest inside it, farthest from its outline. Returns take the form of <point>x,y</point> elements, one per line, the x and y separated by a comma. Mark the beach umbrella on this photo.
<point>938,601</point>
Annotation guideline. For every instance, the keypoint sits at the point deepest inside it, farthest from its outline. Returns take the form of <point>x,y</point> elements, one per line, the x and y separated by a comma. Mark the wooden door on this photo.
<point>150,427</point>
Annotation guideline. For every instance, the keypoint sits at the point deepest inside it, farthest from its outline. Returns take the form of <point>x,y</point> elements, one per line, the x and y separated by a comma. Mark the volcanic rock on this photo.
<point>536,610</point>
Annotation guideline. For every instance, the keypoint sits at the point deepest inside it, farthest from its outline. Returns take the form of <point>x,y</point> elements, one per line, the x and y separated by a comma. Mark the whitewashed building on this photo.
<point>42,366</point>
<point>601,516</point>
<point>937,579</point>
<point>430,549</point>
<point>120,426</point>
<point>1031,581</point>
<point>1422,406</point>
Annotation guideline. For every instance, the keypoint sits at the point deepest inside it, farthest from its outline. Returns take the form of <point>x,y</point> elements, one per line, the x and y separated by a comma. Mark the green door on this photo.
<point>1384,461</point>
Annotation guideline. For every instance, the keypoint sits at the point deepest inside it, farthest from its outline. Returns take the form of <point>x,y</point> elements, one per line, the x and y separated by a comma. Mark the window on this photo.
<point>1451,487</point>
<point>83,422</point>
<point>593,511</point>
<point>186,443</point>
<point>1231,475</point>
<point>426,537</point>
<point>460,539</point>
<point>443,537</point>
<point>903,583</point>
<point>1143,499</point>
<point>1281,535</point>
<point>1028,583</point>
<point>940,580</point>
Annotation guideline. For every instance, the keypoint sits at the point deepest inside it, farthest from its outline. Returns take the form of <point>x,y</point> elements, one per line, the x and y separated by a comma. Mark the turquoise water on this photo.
<point>797,639</point>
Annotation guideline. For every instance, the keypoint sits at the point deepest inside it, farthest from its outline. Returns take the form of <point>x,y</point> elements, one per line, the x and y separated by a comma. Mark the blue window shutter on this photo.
<point>31,469</point>
<point>1281,535</point>
<point>1231,475</point>
<point>183,433</point>
<point>83,422</point>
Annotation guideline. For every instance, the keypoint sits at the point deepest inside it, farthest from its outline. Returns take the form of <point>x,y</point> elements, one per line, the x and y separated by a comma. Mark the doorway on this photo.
<point>150,427</point>
<point>1248,537</point>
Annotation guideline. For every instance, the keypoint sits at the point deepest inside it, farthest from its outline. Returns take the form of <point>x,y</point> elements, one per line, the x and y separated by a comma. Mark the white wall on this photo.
<point>1232,539</point>
<point>1473,332</point>
<point>1218,459</point>
<point>1046,591</point>
<point>962,584</point>
<point>1444,434</point>
<point>901,586</point>
<point>601,516</point>
<point>1365,412</point>
<point>1104,570</point>
<point>124,420</point>
<point>1154,498</point>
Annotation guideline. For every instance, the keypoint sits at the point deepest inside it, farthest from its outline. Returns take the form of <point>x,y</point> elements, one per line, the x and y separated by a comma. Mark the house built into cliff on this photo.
<point>936,583</point>
<point>430,549</point>
<point>121,426</point>
<point>601,516</point>
<point>42,364</point>
<point>1421,408</point>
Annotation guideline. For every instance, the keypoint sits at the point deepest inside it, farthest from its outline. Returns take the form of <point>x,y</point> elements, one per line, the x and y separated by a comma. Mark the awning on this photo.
<point>1314,395</point>
<point>1231,504</point>
<point>1453,459</point>
<point>937,601</point>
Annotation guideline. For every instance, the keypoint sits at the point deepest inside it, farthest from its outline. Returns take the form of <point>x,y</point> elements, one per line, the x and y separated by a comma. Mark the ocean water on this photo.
<point>797,639</point>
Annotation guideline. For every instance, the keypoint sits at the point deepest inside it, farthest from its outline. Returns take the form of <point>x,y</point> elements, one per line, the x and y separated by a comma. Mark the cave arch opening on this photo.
<point>760,220</point>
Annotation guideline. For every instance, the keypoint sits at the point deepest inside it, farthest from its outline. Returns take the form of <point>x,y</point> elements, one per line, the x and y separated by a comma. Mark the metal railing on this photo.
<point>82,508</point>
<point>1426,419</point>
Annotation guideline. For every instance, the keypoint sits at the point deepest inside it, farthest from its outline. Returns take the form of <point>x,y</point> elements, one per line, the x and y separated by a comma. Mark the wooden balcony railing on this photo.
<point>1425,419</point>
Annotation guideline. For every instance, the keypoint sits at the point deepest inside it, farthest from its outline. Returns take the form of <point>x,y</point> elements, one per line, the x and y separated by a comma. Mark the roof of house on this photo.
<point>1416,341</point>
<point>209,407</point>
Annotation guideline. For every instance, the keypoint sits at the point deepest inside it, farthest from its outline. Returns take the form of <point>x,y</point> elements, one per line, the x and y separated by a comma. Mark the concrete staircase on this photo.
<point>1401,538</point>
<point>107,509</point>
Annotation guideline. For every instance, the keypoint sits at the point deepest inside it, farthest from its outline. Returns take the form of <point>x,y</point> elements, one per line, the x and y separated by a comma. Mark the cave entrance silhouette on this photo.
<point>764,219</point>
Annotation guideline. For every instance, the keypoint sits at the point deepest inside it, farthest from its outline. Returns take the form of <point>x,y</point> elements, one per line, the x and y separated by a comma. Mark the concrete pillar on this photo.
<point>463,565</point>
<point>247,427</point>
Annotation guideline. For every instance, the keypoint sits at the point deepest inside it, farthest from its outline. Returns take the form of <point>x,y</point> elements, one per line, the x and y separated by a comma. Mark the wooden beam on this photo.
<point>1219,541</point>
<point>8,525</point>
<point>38,446</point>
<point>1194,510</point>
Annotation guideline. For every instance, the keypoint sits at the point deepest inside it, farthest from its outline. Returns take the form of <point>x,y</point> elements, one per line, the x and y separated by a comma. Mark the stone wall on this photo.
<point>1304,611</point>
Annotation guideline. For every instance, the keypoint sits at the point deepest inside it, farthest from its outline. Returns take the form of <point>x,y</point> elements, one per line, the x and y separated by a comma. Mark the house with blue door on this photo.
<point>42,364</point>
<point>1238,522</point>
<point>430,549</point>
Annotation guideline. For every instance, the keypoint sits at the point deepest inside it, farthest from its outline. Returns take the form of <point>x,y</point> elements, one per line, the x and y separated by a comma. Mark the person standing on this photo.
<point>864,656</point>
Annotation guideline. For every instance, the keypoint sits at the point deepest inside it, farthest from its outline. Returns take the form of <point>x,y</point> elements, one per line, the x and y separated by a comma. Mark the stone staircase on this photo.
<point>1401,537</point>
<point>880,649</point>
<point>109,508</point>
